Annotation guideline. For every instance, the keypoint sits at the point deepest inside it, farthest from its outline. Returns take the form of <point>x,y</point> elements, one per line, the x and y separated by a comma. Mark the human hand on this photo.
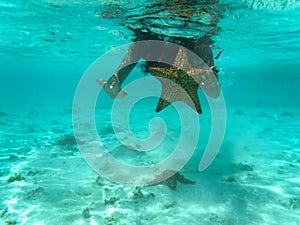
<point>112,87</point>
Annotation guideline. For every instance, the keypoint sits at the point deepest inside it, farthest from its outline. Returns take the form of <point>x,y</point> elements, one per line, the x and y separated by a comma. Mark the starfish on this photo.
<point>180,82</point>
<point>171,182</point>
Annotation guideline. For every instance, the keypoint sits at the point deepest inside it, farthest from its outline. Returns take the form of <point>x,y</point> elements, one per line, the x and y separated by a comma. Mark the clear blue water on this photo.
<point>45,48</point>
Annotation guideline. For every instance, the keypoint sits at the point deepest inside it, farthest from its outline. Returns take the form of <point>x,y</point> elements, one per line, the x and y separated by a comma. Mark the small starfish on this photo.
<point>180,82</point>
<point>171,182</point>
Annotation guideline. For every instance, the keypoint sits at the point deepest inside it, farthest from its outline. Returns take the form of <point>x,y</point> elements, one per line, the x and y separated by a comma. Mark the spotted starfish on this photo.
<point>171,182</point>
<point>180,82</point>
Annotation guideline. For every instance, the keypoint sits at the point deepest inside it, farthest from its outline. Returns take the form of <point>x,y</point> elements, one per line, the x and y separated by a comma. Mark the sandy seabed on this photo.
<point>45,180</point>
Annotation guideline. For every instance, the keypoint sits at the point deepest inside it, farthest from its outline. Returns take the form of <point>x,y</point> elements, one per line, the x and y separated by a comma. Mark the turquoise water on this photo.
<point>46,47</point>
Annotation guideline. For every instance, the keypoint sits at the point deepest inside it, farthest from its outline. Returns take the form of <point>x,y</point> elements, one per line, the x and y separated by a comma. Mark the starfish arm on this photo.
<point>171,183</point>
<point>184,180</point>
<point>162,103</point>
<point>181,60</point>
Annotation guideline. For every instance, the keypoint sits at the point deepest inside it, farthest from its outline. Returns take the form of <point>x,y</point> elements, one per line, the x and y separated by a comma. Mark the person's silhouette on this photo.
<point>152,54</point>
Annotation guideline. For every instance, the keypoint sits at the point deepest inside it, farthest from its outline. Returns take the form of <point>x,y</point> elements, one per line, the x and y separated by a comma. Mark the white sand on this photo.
<point>254,179</point>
